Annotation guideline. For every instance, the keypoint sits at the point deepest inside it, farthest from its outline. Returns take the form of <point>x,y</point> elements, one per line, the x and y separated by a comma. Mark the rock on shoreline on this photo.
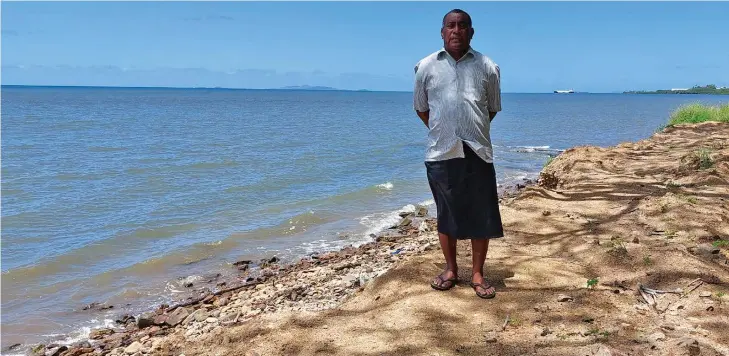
<point>317,282</point>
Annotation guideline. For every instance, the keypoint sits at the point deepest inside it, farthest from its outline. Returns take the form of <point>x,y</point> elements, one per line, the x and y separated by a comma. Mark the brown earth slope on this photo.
<point>642,213</point>
<point>603,225</point>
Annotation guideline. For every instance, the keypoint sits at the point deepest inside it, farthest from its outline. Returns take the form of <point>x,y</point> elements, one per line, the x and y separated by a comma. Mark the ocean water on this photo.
<point>121,196</point>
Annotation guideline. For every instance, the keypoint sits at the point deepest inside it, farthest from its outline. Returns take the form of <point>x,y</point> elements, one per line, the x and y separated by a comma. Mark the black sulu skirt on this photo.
<point>466,199</point>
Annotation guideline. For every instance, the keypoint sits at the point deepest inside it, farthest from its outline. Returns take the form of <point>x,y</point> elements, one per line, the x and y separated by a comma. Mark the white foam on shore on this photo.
<point>83,333</point>
<point>385,186</point>
<point>381,221</point>
<point>530,149</point>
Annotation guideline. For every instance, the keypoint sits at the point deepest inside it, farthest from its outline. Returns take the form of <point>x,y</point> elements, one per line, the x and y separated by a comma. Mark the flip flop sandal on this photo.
<point>484,286</point>
<point>441,282</point>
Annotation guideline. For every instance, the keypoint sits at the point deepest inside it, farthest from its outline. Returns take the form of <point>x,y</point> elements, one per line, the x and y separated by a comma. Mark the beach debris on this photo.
<point>421,211</point>
<point>97,306</point>
<point>506,321</point>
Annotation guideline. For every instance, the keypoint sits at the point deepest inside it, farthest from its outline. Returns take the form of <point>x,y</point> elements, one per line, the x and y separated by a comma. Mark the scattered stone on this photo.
<point>146,320</point>
<point>177,316</point>
<point>423,227</point>
<point>587,319</point>
<point>201,316</point>
<point>705,249</point>
<point>705,294</point>
<point>78,351</point>
<point>56,351</point>
<point>421,212</point>
<point>126,318</point>
<point>546,213</point>
<point>546,331</point>
<point>491,338</point>
<point>160,319</point>
<point>12,347</point>
<point>636,240</point>
<point>221,302</point>
<point>211,320</point>
<point>406,221</point>
<point>133,348</point>
<point>100,333</point>
<point>564,298</point>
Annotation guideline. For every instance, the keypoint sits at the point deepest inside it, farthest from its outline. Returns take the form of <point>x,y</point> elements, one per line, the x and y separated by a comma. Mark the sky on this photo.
<point>539,46</point>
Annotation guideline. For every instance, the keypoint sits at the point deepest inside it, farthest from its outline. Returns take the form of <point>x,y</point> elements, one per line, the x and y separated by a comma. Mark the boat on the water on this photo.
<point>564,91</point>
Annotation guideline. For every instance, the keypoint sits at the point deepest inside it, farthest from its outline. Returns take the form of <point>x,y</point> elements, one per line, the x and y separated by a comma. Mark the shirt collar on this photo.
<point>443,52</point>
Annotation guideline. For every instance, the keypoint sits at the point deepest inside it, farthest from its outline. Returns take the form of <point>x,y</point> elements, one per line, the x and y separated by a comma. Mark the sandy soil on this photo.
<point>638,214</point>
<point>633,214</point>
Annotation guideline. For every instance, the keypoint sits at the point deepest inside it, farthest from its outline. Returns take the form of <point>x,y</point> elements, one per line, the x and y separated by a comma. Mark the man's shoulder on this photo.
<point>488,63</point>
<point>427,60</point>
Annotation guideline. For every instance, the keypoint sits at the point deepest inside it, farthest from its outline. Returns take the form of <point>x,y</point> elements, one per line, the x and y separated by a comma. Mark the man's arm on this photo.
<point>424,116</point>
<point>420,97</point>
<point>494,92</point>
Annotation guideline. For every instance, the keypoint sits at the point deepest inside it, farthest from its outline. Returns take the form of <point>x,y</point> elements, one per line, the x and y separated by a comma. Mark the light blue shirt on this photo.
<point>459,96</point>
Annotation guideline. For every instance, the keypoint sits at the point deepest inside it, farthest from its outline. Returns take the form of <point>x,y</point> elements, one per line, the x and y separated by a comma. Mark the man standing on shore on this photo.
<point>457,95</point>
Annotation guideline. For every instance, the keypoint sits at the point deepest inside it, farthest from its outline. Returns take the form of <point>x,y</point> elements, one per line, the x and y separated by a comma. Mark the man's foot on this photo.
<point>445,280</point>
<point>483,289</point>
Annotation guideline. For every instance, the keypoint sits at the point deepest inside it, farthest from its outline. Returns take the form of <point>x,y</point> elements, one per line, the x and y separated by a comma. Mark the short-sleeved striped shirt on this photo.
<point>459,96</point>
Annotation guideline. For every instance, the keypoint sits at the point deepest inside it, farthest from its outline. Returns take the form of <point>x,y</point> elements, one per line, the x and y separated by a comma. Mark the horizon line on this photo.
<point>292,88</point>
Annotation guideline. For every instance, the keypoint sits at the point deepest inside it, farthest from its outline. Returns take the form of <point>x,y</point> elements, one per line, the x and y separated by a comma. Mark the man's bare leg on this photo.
<point>448,245</point>
<point>480,248</point>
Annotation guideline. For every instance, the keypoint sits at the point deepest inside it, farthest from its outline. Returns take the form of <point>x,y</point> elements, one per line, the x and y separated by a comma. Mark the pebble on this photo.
<point>212,320</point>
<point>705,294</point>
<point>133,348</point>
<point>201,316</point>
<point>564,298</point>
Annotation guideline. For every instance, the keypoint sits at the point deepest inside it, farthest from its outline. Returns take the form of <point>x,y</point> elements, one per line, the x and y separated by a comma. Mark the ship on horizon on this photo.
<point>564,91</point>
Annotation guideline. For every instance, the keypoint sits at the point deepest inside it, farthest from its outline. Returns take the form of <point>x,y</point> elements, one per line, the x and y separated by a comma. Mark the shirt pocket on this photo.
<point>476,89</point>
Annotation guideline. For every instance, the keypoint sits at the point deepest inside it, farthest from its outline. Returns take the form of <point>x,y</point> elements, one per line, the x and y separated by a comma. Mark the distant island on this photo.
<point>708,89</point>
<point>307,87</point>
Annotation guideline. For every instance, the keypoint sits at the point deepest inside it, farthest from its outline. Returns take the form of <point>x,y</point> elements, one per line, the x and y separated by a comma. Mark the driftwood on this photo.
<point>648,296</point>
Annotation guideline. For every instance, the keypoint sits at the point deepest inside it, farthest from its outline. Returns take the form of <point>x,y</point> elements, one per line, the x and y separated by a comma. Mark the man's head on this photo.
<point>456,31</point>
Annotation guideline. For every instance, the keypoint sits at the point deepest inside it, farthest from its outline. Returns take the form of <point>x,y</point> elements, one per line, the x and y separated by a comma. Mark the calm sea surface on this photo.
<point>122,195</point>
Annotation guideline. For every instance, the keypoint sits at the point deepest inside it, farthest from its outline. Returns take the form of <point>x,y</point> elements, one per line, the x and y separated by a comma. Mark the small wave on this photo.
<point>385,186</point>
<point>531,149</point>
<point>83,332</point>
<point>378,222</point>
<point>427,203</point>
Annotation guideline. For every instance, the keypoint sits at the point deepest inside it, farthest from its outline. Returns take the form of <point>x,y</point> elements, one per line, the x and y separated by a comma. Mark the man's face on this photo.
<point>456,32</point>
